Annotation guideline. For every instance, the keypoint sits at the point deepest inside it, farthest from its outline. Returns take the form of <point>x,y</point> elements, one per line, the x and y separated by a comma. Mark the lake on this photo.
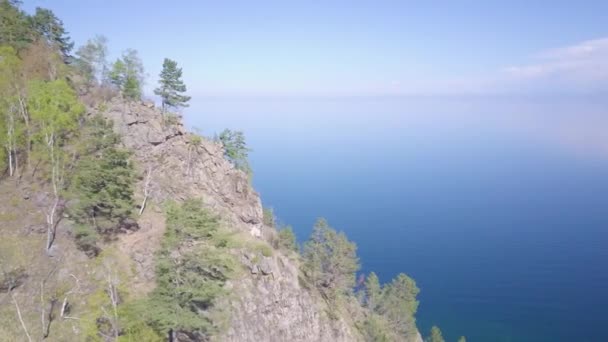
<point>497,206</point>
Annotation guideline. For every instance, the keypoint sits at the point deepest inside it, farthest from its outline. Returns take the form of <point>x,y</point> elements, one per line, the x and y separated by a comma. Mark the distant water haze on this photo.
<point>496,205</point>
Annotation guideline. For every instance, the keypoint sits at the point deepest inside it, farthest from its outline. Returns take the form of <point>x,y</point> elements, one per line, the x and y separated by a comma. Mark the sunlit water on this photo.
<point>497,207</point>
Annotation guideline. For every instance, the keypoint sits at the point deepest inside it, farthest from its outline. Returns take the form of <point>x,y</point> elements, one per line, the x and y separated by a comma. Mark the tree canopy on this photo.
<point>330,260</point>
<point>436,335</point>
<point>51,29</point>
<point>235,148</point>
<point>92,59</point>
<point>127,75</point>
<point>171,87</point>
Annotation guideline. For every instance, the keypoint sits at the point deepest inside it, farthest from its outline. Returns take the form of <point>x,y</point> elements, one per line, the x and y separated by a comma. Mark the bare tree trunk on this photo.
<point>42,310</point>
<point>50,215</point>
<point>146,190</point>
<point>189,170</point>
<point>11,142</point>
<point>21,318</point>
<point>113,294</point>
<point>28,134</point>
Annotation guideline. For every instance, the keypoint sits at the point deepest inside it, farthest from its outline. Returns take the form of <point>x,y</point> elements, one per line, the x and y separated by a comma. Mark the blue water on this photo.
<point>499,211</point>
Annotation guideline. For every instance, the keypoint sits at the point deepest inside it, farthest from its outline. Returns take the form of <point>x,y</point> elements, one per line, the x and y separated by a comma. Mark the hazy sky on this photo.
<point>329,48</point>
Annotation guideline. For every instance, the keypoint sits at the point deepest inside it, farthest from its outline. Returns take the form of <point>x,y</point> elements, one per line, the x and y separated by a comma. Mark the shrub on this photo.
<point>269,218</point>
<point>287,239</point>
<point>171,119</point>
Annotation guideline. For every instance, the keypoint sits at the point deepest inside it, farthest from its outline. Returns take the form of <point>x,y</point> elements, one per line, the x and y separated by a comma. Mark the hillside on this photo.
<point>117,224</point>
<point>268,301</point>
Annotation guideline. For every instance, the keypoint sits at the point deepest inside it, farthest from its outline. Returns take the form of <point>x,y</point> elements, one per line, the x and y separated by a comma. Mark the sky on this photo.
<point>355,48</point>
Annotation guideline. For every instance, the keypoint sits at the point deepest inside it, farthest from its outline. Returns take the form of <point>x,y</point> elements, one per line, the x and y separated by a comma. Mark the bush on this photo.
<point>86,240</point>
<point>269,218</point>
<point>287,239</point>
<point>171,119</point>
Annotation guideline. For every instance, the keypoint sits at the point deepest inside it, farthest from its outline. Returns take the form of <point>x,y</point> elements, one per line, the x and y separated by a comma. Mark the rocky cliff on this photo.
<point>271,304</point>
<point>61,290</point>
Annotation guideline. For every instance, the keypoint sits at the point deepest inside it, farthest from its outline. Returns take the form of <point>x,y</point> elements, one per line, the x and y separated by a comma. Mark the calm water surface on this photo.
<point>497,208</point>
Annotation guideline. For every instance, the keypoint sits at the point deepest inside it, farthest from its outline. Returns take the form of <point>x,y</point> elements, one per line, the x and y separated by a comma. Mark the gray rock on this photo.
<point>265,266</point>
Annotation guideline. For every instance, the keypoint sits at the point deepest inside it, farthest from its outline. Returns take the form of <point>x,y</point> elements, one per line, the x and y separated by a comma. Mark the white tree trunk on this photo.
<point>50,214</point>
<point>146,190</point>
<point>21,318</point>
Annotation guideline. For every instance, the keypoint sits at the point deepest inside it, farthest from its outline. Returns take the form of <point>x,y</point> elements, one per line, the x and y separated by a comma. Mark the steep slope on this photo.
<point>65,294</point>
<point>270,304</point>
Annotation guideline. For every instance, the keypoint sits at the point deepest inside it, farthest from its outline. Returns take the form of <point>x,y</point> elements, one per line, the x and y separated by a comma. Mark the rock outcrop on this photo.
<point>182,167</point>
<point>271,303</point>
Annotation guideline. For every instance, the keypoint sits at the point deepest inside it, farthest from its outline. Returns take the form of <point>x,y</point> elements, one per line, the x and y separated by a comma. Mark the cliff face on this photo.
<point>269,304</point>
<point>269,301</point>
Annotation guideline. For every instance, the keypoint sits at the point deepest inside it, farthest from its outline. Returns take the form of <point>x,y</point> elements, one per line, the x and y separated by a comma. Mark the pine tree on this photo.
<point>15,29</point>
<point>134,74</point>
<point>127,74</point>
<point>117,74</point>
<point>398,304</point>
<point>49,27</point>
<point>92,59</point>
<point>436,335</point>
<point>235,148</point>
<point>171,86</point>
<point>373,291</point>
<point>330,260</point>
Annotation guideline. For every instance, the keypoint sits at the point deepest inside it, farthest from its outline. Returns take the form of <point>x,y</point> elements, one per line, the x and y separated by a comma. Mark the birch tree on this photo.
<point>9,105</point>
<point>55,109</point>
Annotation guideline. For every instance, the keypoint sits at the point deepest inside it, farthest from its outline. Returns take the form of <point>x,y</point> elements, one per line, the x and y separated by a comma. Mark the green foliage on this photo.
<point>86,239</point>
<point>15,28</point>
<point>127,74</point>
<point>330,260</point>
<point>171,87</point>
<point>171,119</point>
<point>262,248</point>
<point>190,281</point>
<point>91,59</point>
<point>398,304</point>
<point>195,139</point>
<point>97,135</point>
<point>105,188</point>
<point>102,185</point>
<point>436,335</point>
<point>268,217</point>
<point>375,329</point>
<point>373,291</point>
<point>117,74</point>
<point>50,28</point>
<point>287,239</point>
<point>11,128</point>
<point>462,339</point>
<point>55,109</point>
<point>235,148</point>
<point>133,324</point>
